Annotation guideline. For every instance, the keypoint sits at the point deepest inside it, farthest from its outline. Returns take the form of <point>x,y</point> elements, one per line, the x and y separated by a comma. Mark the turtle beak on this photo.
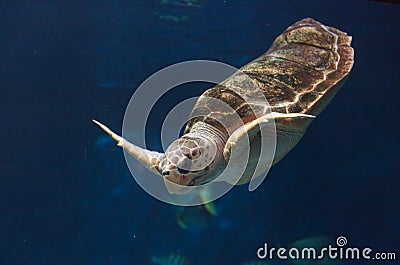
<point>174,188</point>
<point>176,183</point>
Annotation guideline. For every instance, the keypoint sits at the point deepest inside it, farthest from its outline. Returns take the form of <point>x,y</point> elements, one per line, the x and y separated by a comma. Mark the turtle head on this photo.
<point>188,161</point>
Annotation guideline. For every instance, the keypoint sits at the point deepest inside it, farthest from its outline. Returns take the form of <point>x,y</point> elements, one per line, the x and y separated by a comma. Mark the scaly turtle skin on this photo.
<point>299,75</point>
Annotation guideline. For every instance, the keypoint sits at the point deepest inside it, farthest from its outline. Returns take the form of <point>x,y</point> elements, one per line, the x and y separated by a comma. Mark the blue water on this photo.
<point>67,196</point>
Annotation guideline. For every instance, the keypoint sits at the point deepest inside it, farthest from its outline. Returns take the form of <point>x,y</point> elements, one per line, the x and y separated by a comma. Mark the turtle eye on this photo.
<point>182,171</point>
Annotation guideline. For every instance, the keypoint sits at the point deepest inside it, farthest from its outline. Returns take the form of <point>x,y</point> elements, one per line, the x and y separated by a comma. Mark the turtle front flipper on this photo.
<point>241,138</point>
<point>150,159</point>
<point>260,160</point>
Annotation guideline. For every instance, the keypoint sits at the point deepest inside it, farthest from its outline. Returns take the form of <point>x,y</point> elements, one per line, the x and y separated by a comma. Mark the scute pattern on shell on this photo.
<point>301,72</point>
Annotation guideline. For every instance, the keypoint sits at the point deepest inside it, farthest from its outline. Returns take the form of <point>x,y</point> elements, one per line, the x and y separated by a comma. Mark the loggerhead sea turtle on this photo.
<point>299,75</point>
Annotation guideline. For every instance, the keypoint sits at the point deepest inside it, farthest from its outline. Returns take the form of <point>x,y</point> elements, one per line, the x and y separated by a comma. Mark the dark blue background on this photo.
<point>66,195</point>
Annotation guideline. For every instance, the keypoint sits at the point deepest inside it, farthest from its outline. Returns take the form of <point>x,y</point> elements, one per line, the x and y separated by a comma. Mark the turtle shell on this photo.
<point>301,72</point>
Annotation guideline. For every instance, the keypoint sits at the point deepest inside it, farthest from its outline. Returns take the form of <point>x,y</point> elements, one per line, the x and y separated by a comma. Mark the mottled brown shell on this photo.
<point>301,72</point>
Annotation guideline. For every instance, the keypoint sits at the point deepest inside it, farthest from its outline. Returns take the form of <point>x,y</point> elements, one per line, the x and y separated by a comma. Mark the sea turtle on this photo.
<point>299,75</point>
